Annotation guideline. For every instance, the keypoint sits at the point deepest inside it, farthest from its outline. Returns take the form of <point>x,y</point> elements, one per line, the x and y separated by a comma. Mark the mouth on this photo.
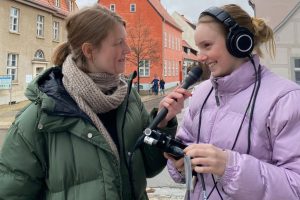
<point>211,65</point>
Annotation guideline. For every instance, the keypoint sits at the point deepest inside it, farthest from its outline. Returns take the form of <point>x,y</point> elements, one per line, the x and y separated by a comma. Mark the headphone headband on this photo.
<point>239,39</point>
<point>221,15</point>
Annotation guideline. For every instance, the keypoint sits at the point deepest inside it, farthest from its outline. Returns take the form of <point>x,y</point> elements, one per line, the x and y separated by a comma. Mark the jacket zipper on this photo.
<point>217,96</point>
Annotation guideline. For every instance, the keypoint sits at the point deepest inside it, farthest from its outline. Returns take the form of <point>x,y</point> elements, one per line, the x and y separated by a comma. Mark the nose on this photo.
<point>127,49</point>
<point>202,57</point>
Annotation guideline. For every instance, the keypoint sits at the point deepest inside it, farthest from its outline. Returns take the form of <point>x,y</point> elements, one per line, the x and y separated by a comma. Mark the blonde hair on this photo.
<point>90,24</point>
<point>263,34</point>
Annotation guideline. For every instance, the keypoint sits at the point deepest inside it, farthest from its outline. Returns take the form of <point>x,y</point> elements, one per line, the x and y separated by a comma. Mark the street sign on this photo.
<point>5,82</point>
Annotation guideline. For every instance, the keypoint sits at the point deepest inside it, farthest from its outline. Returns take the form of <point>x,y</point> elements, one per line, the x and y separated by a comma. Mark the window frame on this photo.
<point>55,31</point>
<point>143,68</point>
<point>13,17</point>
<point>130,6</point>
<point>40,26</point>
<point>114,7</point>
<point>10,66</point>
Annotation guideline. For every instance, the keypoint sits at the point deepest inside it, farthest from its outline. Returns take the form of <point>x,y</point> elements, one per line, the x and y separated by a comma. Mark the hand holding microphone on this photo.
<point>173,103</point>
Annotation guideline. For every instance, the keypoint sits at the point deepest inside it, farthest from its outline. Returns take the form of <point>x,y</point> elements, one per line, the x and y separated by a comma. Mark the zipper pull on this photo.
<point>217,92</point>
<point>217,100</point>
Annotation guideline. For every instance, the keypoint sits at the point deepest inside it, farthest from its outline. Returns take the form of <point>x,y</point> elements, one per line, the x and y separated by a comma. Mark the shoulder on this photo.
<point>277,86</point>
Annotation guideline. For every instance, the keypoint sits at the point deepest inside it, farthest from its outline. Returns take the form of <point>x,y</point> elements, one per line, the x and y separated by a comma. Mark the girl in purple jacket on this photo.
<point>242,126</point>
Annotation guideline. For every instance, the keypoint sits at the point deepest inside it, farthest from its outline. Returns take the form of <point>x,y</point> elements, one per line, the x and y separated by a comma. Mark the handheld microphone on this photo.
<point>193,76</point>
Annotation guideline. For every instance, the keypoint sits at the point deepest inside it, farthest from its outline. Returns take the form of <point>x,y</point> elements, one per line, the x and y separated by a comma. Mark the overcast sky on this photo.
<point>189,8</point>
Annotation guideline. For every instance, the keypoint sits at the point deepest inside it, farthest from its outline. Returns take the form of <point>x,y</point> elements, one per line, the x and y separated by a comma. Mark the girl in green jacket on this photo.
<point>72,142</point>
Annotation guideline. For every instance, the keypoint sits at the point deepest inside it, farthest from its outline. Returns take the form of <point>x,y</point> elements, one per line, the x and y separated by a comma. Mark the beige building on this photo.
<point>189,48</point>
<point>29,33</point>
<point>187,27</point>
<point>284,18</point>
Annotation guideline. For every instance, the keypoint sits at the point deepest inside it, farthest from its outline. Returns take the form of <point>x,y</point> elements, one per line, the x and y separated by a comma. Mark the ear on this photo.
<point>87,50</point>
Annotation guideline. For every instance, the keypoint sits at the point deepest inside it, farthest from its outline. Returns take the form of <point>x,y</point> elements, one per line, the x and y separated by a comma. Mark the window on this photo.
<point>57,3</point>
<point>12,66</point>
<point>178,42</point>
<point>14,20</point>
<point>71,5</point>
<point>132,7</point>
<point>112,7</point>
<point>39,54</point>
<point>173,68</point>
<point>56,31</point>
<point>144,68</point>
<point>297,70</point>
<point>165,67</point>
<point>170,68</point>
<point>40,26</point>
<point>165,39</point>
<point>177,72</point>
<point>170,40</point>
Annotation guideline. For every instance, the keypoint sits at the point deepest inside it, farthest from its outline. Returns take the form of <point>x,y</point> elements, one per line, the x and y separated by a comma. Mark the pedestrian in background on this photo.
<point>162,86</point>
<point>72,141</point>
<point>155,86</point>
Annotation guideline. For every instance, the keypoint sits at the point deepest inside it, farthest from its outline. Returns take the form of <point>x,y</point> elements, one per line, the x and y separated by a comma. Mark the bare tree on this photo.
<point>143,46</point>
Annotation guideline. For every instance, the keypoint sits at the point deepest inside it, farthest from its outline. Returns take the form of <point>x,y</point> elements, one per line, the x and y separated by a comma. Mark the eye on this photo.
<point>120,42</point>
<point>206,45</point>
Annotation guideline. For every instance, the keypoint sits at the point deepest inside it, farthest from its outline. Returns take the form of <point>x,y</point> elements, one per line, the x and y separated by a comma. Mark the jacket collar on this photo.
<point>238,80</point>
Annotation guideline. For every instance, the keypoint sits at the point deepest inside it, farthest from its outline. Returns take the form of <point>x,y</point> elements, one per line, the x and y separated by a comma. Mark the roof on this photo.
<point>49,5</point>
<point>186,44</point>
<point>189,56</point>
<point>187,21</point>
<point>290,14</point>
<point>163,13</point>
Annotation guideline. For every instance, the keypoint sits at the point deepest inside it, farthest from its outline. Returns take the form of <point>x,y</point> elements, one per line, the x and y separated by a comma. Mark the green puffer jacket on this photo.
<point>53,151</point>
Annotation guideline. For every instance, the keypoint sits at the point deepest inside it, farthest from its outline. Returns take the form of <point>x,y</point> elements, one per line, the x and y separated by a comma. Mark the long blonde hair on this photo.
<point>263,34</point>
<point>90,24</point>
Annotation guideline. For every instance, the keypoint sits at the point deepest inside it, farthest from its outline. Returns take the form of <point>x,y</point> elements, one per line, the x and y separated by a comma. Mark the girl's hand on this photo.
<point>206,158</point>
<point>174,106</point>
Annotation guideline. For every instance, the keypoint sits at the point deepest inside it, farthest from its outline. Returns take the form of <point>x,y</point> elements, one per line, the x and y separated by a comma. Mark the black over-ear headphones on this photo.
<point>239,40</point>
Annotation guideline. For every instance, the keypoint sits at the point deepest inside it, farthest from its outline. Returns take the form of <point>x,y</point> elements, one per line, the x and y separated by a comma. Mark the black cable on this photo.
<point>215,183</point>
<point>258,78</point>
<point>245,114</point>
<point>200,114</point>
<point>198,136</point>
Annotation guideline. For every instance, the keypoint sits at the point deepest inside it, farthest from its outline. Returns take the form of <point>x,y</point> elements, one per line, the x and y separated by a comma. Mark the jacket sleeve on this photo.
<point>153,157</point>
<point>246,176</point>
<point>183,134</point>
<point>21,175</point>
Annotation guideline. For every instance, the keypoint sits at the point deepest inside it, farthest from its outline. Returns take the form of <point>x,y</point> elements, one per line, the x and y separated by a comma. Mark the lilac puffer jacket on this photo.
<point>271,171</point>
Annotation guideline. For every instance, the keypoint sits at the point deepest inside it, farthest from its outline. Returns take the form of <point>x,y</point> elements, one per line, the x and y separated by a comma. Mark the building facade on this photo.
<point>29,33</point>
<point>163,31</point>
<point>284,19</point>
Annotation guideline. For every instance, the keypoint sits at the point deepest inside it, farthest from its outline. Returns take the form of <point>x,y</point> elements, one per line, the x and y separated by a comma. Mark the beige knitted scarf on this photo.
<point>94,93</point>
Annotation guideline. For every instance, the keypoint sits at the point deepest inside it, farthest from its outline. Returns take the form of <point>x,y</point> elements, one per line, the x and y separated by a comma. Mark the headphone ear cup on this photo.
<point>240,42</point>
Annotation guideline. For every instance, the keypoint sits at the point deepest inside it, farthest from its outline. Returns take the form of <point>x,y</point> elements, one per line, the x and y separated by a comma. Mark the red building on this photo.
<point>162,31</point>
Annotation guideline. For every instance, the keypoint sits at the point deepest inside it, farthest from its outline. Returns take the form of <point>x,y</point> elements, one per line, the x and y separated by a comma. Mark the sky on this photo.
<point>191,9</point>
